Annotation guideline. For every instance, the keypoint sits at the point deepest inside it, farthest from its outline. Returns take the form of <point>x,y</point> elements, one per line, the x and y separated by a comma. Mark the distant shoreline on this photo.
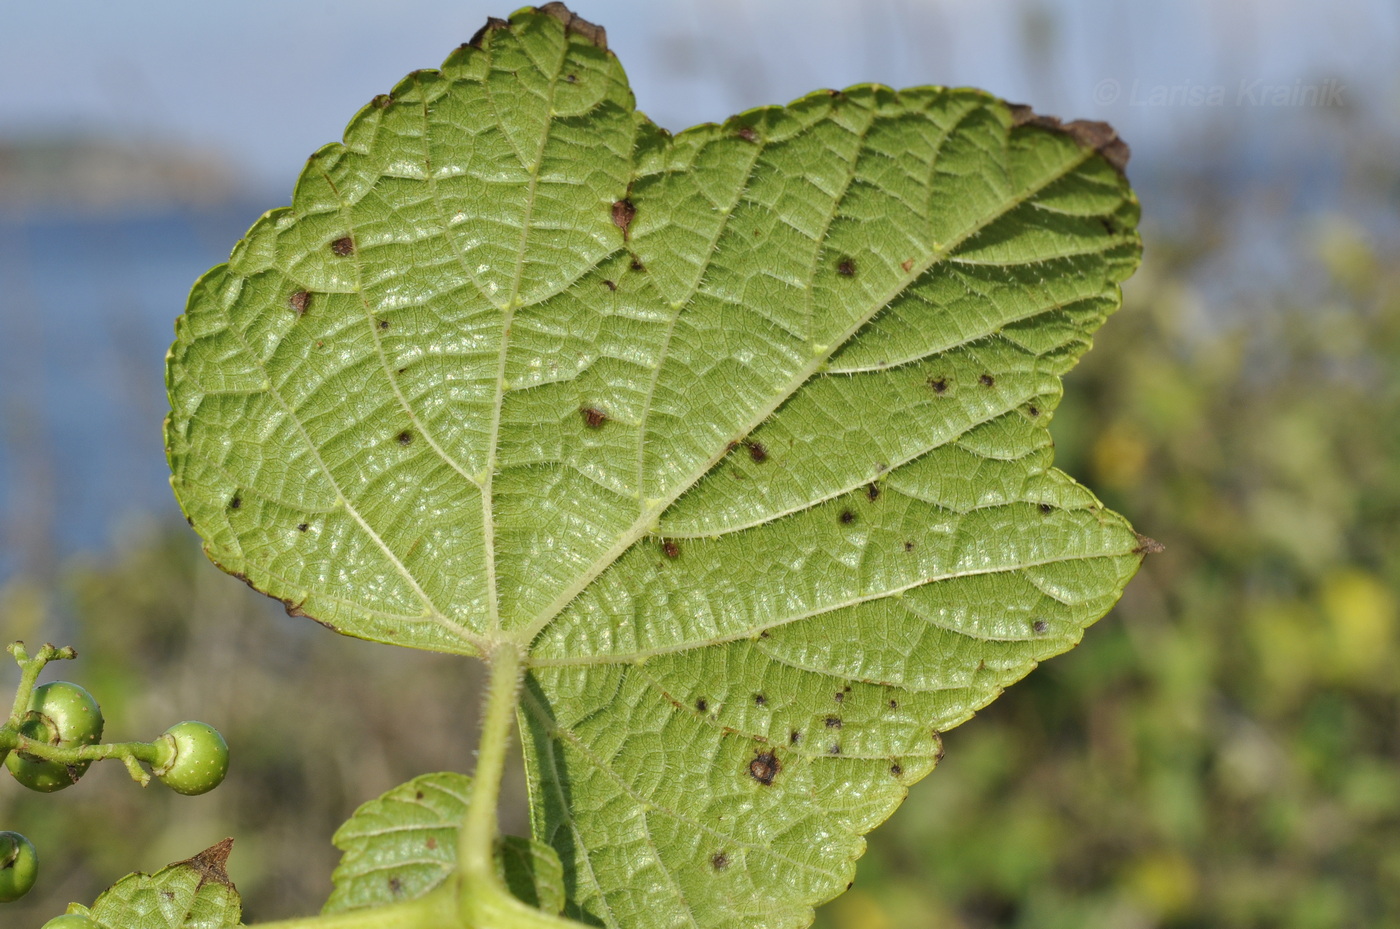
<point>86,174</point>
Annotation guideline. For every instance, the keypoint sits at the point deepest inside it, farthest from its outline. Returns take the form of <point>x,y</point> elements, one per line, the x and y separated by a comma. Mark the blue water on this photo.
<point>87,305</point>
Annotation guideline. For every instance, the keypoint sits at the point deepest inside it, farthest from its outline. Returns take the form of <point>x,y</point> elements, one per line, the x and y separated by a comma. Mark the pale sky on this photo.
<point>268,81</point>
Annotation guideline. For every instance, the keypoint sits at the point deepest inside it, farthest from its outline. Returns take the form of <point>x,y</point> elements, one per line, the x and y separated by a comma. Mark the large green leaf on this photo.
<point>191,894</point>
<point>740,433</point>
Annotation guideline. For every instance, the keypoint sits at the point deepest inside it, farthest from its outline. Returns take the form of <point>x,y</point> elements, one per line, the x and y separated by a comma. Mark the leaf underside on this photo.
<point>404,843</point>
<point>191,894</point>
<point>741,432</point>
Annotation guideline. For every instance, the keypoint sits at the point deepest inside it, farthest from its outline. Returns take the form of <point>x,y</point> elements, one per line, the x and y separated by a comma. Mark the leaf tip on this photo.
<point>576,23</point>
<point>211,863</point>
<point>1148,546</point>
<point>492,23</point>
<point>1088,133</point>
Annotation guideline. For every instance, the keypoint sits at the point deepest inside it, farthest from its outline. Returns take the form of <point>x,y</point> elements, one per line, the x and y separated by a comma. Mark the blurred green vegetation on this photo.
<point>1222,751</point>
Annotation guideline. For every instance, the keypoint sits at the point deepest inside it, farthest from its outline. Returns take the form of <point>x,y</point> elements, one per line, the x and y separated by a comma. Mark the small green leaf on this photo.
<point>532,872</point>
<point>191,894</point>
<point>402,844</point>
<point>739,435</point>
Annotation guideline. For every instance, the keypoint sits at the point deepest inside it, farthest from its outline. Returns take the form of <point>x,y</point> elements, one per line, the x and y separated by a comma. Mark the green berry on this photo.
<point>70,921</point>
<point>19,866</point>
<point>60,714</point>
<point>191,758</point>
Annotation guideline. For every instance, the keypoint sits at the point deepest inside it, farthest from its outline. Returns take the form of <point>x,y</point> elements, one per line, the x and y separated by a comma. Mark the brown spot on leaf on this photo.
<point>938,749</point>
<point>383,324</point>
<point>896,769</point>
<point>432,844</point>
<point>637,264</point>
<point>405,437</point>
<point>847,517</point>
<point>719,861</point>
<point>610,285</point>
<point>571,78</point>
<point>395,885</point>
<point>872,491</point>
<point>794,737</point>
<point>1098,136</point>
<point>908,546</point>
<point>759,700</point>
<point>701,705</point>
<point>294,607</point>
<point>1045,509</point>
<point>765,767</point>
<point>907,264</point>
<point>847,268</point>
<point>757,451</point>
<point>1032,411</point>
<point>670,548</point>
<point>833,722</point>
<point>593,417</point>
<point>986,380</point>
<point>381,101</point>
<point>834,750</point>
<point>747,134</point>
<point>1040,626</point>
<point>938,385</point>
<point>235,503</point>
<point>302,527</point>
<point>300,301</point>
<point>343,246</point>
<point>623,213</point>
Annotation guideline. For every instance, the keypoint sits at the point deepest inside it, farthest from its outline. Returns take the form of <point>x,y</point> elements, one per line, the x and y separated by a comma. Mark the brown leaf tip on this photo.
<point>576,23</point>
<point>1088,133</point>
<point>1148,546</point>
<point>491,23</point>
<point>211,863</point>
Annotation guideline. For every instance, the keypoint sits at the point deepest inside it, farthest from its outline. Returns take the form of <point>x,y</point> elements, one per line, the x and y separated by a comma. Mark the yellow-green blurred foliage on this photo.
<point>1222,751</point>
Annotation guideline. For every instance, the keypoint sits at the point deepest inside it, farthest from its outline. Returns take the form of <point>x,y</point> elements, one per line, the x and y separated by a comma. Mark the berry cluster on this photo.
<point>53,736</point>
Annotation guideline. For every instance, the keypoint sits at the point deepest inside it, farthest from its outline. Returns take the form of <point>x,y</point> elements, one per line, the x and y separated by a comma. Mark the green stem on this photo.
<point>484,901</point>
<point>29,669</point>
<point>73,754</point>
<point>478,834</point>
<point>437,909</point>
<point>475,897</point>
